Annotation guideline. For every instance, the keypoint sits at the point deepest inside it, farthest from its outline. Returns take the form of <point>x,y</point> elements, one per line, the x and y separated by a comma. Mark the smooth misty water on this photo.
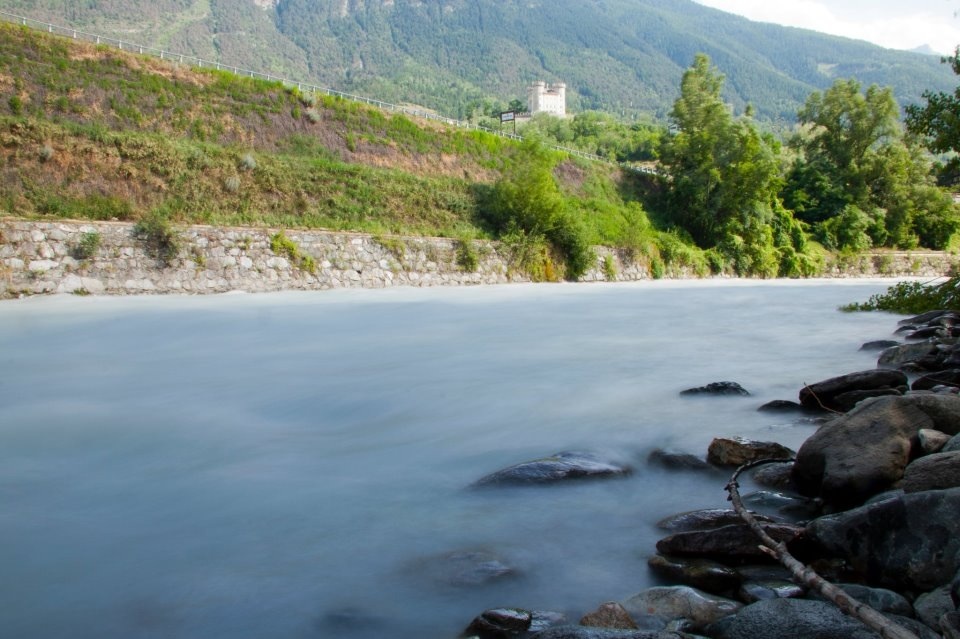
<point>253,466</point>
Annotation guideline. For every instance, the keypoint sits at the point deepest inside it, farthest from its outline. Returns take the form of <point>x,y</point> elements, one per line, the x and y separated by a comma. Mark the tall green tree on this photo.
<point>939,122</point>
<point>724,175</point>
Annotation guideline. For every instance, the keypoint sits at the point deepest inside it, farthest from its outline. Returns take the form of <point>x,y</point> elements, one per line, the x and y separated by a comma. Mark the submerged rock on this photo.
<point>718,388</point>
<point>464,568</point>
<point>559,467</point>
<point>586,632</point>
<point>879,345</point>
<point>678,461</point>
<point>782,406</point>
<point>499,623</point>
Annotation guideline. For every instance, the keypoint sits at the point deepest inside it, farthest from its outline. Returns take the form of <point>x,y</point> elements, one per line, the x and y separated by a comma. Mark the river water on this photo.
<point>293,465</point>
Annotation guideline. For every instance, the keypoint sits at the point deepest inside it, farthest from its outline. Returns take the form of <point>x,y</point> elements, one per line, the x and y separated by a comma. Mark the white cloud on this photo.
<point>896,26</point>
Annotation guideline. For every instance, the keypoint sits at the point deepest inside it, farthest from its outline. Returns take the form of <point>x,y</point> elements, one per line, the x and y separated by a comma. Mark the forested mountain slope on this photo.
<point>622,56</point>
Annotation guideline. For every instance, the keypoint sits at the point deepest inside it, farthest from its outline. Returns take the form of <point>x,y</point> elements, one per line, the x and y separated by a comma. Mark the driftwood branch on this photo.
<point>806,575</point>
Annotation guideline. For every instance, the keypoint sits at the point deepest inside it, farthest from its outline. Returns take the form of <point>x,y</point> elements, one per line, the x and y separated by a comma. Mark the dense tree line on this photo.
<point>850,177</point>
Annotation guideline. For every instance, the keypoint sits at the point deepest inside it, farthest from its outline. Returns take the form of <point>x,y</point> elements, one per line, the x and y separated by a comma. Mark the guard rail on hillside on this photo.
<point>180,58</point>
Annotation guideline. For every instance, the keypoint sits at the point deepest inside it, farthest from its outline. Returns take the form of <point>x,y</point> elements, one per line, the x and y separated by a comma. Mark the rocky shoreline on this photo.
<point>871,501</point>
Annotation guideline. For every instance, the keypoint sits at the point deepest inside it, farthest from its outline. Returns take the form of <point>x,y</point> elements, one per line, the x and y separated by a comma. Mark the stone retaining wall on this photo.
<point>42,257</point>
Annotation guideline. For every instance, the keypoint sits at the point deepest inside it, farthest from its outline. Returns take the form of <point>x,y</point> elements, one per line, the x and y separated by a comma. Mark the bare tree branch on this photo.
<point>807,576</point>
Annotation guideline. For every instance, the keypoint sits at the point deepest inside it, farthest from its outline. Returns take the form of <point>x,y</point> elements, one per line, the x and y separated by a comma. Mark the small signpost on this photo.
<point>509,116</point>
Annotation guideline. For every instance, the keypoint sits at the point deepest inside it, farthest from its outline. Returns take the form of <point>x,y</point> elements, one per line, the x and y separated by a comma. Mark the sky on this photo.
<point>895,24</point>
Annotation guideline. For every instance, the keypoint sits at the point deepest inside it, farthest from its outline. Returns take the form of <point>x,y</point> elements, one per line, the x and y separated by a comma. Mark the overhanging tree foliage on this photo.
<point>939,122</point>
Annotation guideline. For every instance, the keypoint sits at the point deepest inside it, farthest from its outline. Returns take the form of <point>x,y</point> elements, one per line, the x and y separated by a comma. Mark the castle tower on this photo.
<point>547,98</point>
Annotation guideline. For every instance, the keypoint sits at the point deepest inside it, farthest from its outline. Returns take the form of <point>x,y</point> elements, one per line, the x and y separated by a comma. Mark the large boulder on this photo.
<point>737,451</point>
<point>863,384</point>
<point>799,619</point>
<point>559,467</point>
<point>681,602</point>
<point>933,472</point>
<point>932,606</point>
<point>866,451</point>
<point>909,541</point>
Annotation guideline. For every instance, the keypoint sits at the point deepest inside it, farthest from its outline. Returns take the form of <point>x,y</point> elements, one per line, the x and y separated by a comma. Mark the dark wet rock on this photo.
<point>940,378</point>
<point>585,632</point>
<point>952,445</point>
<point>752,591</point>
<point>609,615</point>
<point>350,618</point>
<point>823,394</point>
<point>500,622</point>
<point>465,568</point>
<point>797,619</point>
<point>865,451</point>
<point>906,542</point>
<point>775,476</point>
<point>848,401</point>
<point>702,574</point>
<point>559,467</point>
<point>736,451</point>
<point>932,441</point>
<point>729,543</point>
<point>931,606</point>
<point>880,599</point>
<point>926,332</point>
<point>763,572</point>
<point>678,461</point>
<point>769,502</point>
<point>702,520</point>
<point>681,602</point>
<point>933,472</point>
<point>782,406</point>
<point>718,388</point>
<point>950,625</point>
<point>923,354</point>
<point>879,345</point>
<point>926,318</point>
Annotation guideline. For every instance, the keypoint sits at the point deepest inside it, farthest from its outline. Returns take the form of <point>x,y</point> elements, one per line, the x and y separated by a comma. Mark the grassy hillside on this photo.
<point>90,132</point>
<point>622,56</point>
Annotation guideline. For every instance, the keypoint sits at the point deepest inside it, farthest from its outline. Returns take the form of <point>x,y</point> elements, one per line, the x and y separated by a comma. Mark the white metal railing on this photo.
<point>179,58</point>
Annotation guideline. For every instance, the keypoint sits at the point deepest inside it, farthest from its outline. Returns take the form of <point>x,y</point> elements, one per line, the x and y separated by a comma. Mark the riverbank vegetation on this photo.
<point>90,132</point>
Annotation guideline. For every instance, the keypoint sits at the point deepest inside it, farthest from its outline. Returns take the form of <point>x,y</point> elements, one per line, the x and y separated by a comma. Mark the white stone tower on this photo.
<point>547,98</point>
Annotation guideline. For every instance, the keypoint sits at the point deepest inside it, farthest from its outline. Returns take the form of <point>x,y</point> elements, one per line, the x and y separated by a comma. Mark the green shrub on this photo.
<point>248,162</point>
<point>609,268</point>
<point>87,246</point>
<point>159,237</point>
<point>232,184</point>
<point>46,153</point>
<point>280,244</point>
<point>16,105</point>
<point>913,298</point>
<point>467,258</point>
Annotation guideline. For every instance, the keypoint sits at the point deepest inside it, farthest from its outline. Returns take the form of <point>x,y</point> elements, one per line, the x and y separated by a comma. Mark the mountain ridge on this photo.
<point>461,56</point>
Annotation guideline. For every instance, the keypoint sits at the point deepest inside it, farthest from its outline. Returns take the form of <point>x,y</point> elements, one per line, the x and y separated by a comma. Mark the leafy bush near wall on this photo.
<point>87,246</point>
<point>283,245</point>
<point>467,258</point>
<point>160,238</point>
